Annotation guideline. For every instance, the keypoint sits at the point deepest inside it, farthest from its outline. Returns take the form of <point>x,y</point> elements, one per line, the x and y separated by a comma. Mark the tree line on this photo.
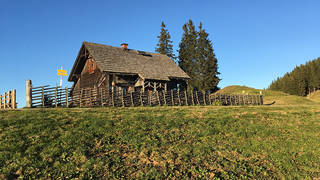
<point>196,56</point>
<point>302,80</point>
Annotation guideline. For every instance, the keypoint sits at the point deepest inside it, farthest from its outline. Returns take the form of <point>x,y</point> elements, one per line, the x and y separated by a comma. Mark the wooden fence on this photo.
<point>90,97</point>
<point>8,100</point>
<point>45,96</point>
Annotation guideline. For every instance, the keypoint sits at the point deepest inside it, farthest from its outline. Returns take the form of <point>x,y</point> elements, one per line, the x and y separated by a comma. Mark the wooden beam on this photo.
<point>154,86</point>
<point>143,85</point>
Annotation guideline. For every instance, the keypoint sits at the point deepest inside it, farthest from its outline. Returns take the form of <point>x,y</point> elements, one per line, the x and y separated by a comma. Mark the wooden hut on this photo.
<point>120,68</point>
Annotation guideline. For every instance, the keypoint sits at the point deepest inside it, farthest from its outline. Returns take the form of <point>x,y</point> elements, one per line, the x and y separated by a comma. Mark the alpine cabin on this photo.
<point>120,68</point>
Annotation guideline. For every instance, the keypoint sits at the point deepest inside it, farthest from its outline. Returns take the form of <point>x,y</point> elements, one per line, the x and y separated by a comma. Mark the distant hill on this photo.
<point>303,80</point>
<point>269,96</point>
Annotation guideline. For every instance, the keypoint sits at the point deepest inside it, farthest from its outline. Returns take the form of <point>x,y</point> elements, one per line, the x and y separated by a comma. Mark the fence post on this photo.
<point>255,100</point>
<point>164,97</point>
<point>236,99</point>
<point>197,96</point>
<point>149,98</point>
<point>13,99</point>
<point>28,93</point>
<point>140,98</point>
<point>204,97</point>
<point>172,101</point>
<point>131,96</point>
<point>224,98</point>
<point>55,97</point>
<point>81,91</point>
<point>192,97</point>
<point>179,100</point>
<point>122,98</point>
<point>101,96</point>
<point>5,100</point>
<point>67,97</point>
<point>186,97</point>
<point>42,96</point>
<point>158,98</point>
<point>244,99</point>
<point>0,101</point>
<point>8,99</point>
<point>112,97</point>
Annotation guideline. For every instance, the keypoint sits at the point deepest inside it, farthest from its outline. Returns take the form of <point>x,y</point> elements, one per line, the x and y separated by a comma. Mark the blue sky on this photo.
<point>254,41</point>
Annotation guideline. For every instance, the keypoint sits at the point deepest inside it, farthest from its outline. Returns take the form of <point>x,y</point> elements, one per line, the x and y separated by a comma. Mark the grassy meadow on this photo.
<point>207,142</point>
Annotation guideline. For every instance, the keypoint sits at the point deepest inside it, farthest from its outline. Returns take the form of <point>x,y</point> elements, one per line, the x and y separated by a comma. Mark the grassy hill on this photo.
<point>280,98</point>
<point>265,142</point>
<point>315,96</point>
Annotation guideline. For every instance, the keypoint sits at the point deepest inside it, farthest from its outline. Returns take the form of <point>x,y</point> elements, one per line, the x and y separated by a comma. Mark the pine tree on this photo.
<point>301,81</point>
<point>164,45</point>
<point>187,54</point>
<point>208,62</point>
<point>197,59</point>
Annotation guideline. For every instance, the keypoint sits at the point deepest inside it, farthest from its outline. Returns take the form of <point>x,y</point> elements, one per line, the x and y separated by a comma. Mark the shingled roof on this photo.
<point>115,59</point>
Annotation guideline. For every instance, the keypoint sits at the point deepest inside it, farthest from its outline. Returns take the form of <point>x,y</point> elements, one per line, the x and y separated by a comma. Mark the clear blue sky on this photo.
<point>254,41</point>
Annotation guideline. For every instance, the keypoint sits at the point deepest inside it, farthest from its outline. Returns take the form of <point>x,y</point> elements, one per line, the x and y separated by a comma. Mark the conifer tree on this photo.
<point>197,59</point>
<point>208,62</point>
<point>187,54</point>
<point>164,45</point>
<point>303,80</point>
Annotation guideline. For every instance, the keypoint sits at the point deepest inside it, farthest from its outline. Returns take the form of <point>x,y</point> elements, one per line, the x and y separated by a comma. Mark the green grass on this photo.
<point>315,96</point>
<point>280,98</point>
<point>271,142</point>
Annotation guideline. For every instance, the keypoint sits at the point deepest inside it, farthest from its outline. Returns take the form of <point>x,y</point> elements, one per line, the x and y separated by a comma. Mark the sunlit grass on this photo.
<point>161,142</point>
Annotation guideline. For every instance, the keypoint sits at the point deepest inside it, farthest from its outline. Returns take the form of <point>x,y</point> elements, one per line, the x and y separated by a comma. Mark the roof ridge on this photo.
<point>86,42</point>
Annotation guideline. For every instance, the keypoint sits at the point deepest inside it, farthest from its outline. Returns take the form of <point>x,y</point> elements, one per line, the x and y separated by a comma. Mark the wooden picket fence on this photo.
<point>8,100</point>
<point>91,97</point>
<point>46,96</point>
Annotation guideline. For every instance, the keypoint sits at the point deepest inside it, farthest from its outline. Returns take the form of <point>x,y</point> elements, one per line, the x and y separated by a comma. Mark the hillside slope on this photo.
<point>269,96</point>
<point>315,96</point>
<point>196,142</point>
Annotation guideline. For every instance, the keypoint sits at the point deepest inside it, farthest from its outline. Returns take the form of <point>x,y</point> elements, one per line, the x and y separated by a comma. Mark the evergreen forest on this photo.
<point>301,81</point>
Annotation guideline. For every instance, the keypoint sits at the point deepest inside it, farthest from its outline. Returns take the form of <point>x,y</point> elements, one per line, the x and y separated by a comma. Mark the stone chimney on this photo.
<point>124,46</point>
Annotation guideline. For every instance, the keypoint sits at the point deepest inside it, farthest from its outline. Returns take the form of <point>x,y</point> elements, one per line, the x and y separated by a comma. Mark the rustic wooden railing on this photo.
<point>46,96</point>
<point>8,100</point>
<point>90,97</point>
